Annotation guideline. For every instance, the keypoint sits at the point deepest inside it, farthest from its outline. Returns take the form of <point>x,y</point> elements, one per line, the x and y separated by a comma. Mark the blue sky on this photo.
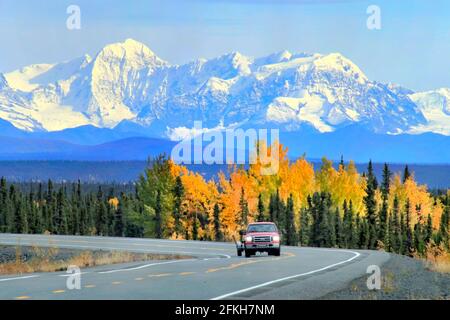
<point>412,48</point>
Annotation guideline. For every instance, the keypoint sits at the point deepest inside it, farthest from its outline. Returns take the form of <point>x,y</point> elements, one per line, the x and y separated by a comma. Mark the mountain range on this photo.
<point>322,104</point>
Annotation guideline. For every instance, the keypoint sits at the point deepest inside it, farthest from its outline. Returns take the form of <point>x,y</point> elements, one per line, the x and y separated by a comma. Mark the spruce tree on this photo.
<point>119,224</point>
<point>261,209</point>
<point>383,217</point>
<point>428,229</point>
<point>272,208</point>
<point>444,226</point>
<point>348,225</point>
<point>158,217</point>
<point>243,205</point>
<point>365,235</point>
<point>218,235</point>
<point>407,229</point>
<point>406,174</point>
<point>290,238</point>
<point>332,226</point>
<point>371,207</point>
<point>178,192</point>
<point>195,227</point>
<point>418,239</point>
<point>60,218</point>
<point>305,226</point>
<point>394,227</point>
<point>3,205</point>
<point>339,229</point>
<point>322,237</point>
<point>20,217</point>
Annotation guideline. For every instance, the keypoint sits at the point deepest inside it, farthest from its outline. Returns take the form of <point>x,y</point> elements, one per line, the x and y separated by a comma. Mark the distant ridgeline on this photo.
<point>434,176</point>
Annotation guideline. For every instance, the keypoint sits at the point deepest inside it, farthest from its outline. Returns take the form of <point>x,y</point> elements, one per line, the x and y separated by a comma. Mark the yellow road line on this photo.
<point>185,273</point>
<point>22,297</point>
<point>159,275</point>
<point>89,286</point>
<point>240,264</point>
<point>59,291</point>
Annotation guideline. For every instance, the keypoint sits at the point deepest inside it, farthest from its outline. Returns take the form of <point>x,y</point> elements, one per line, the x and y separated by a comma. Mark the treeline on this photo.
<point>67,209</point>
<point>324,208</point>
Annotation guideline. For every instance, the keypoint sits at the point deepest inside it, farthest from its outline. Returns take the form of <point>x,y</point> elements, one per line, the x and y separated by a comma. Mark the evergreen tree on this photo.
<point>272,208</point>
<point>371,207</point>
<point>322,227</point>
<point>408,237</point>
<point>290,233</point>
<point>305,226</point>
<point>428,229</point>
<point>332,226</point>
<point>3,205</point>
<point>158,217</point>
<point>60,217</point>
<point>177,208</point>
<point>261,210</point>
<point>218,235</point>
<point>364,234</point>
<point>342,163</point>
<point>119,225</point>
<point>20,217</point>
<point>243,205</point>
<point>383,218</point>
<point>418,240</point>
<point>394,227</point>
<point>339,229</point>
<point>406,174</point>
<point>348,225</point>
<point>195,228</point>
<point>444,226</point>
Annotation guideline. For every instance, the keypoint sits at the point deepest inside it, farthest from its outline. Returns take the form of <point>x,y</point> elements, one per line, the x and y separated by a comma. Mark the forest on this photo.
<point>329,207</point>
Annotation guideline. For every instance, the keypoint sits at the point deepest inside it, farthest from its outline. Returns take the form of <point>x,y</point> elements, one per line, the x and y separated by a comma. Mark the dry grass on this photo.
<point>45,260</point>
<point>437,258</point>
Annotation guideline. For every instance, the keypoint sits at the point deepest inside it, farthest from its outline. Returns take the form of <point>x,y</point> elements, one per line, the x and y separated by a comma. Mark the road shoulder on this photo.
<point>402,278</point>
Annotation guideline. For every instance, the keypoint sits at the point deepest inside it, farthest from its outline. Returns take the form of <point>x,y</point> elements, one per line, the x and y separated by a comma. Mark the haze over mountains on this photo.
<point>323,105</point>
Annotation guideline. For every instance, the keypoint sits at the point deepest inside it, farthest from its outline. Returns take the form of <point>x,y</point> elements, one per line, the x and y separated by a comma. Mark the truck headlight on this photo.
<point>276,238</point>
<point>248,239</point>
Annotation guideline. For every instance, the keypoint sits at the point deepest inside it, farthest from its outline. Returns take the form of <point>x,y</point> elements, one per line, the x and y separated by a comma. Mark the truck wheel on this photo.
<point>239,253</point>
<point>277,252</point>
<point>248,253</point>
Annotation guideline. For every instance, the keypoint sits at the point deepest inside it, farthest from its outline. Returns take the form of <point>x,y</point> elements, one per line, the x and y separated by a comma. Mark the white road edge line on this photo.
<point>18,278</point>
<point>72,274</point>
<point>145,266</point>
<point>356,254</point>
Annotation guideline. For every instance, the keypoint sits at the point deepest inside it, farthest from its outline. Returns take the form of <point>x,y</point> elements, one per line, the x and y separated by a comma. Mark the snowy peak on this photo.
<point>126,83</point>
<point>435,106</point>
<point>135,54</point>
<point>338,63</point>
<point>3,82</point>
<point>21,79</point>
<point>228,66</point>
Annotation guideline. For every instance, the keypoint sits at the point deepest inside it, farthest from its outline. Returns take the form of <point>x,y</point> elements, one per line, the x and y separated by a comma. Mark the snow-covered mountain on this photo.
<point>435,106</point>
<point>127,86</point>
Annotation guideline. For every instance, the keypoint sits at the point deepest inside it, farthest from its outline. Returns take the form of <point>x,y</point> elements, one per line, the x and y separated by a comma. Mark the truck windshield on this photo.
<point>262,228</point>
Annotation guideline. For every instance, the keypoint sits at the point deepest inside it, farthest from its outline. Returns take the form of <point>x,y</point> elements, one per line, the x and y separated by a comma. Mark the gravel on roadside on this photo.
<point>402,278</point>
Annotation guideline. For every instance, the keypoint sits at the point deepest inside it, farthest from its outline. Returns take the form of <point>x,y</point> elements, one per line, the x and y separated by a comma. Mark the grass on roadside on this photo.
<point>46,260</point>
<point>437,258</point>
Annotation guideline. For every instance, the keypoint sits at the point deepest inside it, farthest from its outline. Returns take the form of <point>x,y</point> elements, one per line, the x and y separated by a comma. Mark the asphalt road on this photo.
<point>214,272</point>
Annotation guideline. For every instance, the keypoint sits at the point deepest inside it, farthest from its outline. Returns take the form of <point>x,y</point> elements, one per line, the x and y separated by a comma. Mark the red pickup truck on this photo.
<point>260,237</point>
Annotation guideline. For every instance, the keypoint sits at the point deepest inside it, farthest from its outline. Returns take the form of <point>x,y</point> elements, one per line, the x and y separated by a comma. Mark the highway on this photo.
<point>214,272</point>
